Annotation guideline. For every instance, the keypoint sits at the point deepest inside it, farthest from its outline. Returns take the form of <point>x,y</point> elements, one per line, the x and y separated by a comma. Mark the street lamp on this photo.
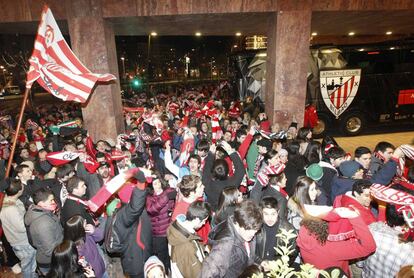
<point>123,67</point>
<point>4,75</point>
<point>152,34</point>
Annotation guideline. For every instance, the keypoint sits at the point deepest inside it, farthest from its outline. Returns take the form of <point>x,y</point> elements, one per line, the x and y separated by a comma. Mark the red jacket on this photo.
<point>336,253</point>
<point>347,201</point>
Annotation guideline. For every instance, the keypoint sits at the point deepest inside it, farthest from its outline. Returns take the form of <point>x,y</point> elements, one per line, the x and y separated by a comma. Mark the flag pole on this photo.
<point>16,134</point>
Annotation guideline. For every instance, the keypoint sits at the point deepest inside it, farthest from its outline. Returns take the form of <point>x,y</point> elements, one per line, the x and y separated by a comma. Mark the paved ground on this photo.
<point>396,138</point>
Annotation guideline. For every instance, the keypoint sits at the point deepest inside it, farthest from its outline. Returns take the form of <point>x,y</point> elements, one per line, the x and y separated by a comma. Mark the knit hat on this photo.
<point>349,168</point>
<point>283,152</point>
<point>152,262</point>
<point>265,143</point>
<point>314,171</point>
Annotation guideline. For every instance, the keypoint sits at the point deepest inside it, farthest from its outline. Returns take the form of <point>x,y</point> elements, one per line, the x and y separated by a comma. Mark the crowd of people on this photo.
<point>198,186</point>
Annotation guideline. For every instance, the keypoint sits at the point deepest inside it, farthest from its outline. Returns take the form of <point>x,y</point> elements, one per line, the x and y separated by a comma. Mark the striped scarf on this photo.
<point>408,151</point>
<point>263,176</point>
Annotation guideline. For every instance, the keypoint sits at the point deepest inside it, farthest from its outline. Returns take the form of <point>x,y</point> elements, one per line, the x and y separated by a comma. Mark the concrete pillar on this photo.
<point>287,65</point>
<point>93,41</point>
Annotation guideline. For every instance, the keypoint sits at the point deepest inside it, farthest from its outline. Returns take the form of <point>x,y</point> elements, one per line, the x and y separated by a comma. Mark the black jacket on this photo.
<point>72,208</point>
<point>261,238</point>
<point>213,188</point>
<point>134,228</point>
<point>294,169</point>
<point>329,172</point>
<point>228,257</point>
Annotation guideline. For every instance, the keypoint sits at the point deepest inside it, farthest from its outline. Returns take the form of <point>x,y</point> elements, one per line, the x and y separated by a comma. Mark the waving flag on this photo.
<point>60,158</point>
<point>56,68</point>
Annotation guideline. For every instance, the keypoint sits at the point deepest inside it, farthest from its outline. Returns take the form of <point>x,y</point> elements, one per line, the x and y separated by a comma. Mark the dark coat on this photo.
<point>44,231</point>
<point>341,185</point>
<point>385,174</point>
<point>72,208</point>
<point>292,171</point>
<point>213,188</point>
<point>228,257</point>
<point>159,208</point>
<point>261,238</point>
<point>134,229</point>
<point>326,181</point>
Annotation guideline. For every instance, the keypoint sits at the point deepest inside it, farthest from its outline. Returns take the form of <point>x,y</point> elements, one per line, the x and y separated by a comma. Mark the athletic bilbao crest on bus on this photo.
<point>339,88</point>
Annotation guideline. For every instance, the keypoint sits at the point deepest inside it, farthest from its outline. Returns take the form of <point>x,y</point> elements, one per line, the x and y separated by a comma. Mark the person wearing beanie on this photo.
<point>314,171</point>
<point>283,155</point>
<point>154,268</point>
<point>351,169</point>
<point>350,172</point>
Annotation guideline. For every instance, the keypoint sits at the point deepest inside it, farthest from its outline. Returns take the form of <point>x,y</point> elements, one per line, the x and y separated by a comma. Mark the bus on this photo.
<point>351,86</point>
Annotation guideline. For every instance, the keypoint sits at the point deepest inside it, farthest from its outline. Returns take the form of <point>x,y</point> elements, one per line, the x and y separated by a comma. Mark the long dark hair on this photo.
<point>74,230</point>
<point>157,175</point>
<point>312,153</point>
<point>301,194</point>
<point>65,261</point>
<point>294,157</point>
<point>228,198</point>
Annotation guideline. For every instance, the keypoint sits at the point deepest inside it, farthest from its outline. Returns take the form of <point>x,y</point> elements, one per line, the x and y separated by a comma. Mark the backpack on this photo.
<point>113,240</point>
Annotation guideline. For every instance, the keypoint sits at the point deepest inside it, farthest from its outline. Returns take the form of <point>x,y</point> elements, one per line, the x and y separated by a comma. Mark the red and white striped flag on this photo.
<point>56,68</point>
<point>60,158</point>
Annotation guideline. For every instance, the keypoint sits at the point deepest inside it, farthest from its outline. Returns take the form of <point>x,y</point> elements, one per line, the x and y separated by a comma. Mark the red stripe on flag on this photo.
<point>333,97</point>
<point>66,76</point>
<point>55,80</point>
<point>72,82</point>
<point>62,92</point>
<point>74,60</point>
<point>345,93</point>
<point>38,55</point>
<point>338,98</point>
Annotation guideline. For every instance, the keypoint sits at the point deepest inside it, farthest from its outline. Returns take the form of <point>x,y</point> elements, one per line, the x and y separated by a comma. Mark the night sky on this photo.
<point>164,49</point>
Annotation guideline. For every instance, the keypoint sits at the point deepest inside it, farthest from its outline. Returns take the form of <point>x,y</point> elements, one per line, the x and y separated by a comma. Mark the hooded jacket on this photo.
<point>336,253</point>
<point>45,233</point>
<point>229,256</point>
<point>186,250</point>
